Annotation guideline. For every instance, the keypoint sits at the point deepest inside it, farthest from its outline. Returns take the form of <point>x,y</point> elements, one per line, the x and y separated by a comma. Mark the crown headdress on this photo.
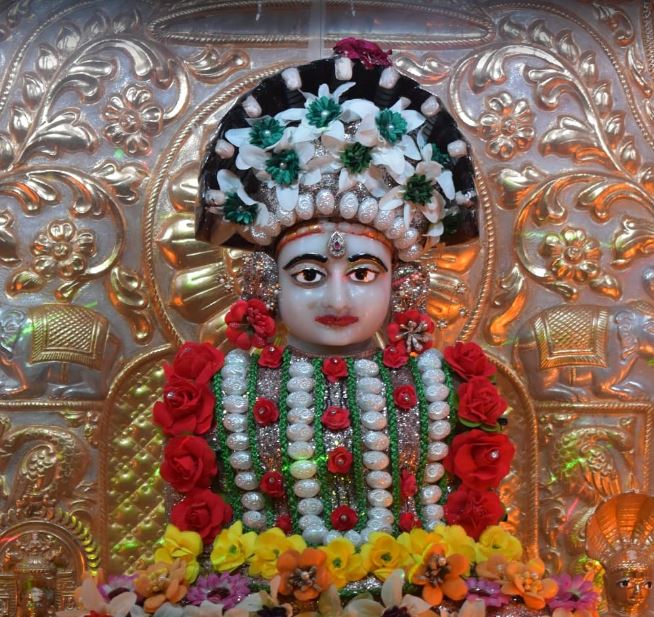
<point>336,139</point>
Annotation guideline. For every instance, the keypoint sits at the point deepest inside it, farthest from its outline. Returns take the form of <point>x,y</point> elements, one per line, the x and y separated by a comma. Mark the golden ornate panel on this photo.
<point>104,107</point>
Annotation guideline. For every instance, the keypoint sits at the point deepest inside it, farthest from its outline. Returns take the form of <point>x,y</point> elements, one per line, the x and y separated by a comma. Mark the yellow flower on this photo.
<point>382,554</point>
<point>343,563</point>
<point>417,541</point>
<point>456,540</point>
<point>495,540</point>
<point>232,548</point>
<point>268,546</point>
<point>184,545</point>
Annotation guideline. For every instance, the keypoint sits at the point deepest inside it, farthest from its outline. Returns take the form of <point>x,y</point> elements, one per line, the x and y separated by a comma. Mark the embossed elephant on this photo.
<point>575,353</point>
<point>59,350</point>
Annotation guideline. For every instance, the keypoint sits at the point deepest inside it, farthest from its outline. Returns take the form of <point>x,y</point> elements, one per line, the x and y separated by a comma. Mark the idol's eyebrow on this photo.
<point>306,257</point>
<point>369,257</point>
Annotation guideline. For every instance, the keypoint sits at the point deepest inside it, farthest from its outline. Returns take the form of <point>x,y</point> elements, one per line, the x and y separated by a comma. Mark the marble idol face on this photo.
<point>332,303</point>
<point>628,588</point>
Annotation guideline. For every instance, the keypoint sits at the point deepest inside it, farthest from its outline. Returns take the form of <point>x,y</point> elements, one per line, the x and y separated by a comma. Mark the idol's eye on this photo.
<point>624,583</point>
<point>308,276</point>
<point>363,274</point>
<point>648,584</point>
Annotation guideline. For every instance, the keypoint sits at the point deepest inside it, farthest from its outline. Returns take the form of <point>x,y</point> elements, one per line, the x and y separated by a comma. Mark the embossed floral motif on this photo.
<point>506,126</point>
<point>133,119</point>
<point>62,250</point>
<point>573,255</point>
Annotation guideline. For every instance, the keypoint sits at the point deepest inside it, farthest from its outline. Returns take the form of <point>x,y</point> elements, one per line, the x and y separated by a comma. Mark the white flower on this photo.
<point>92,600</point>
<point>256,601</point>
<point>251,212</point>
<point>264,132</point>
<point>206,609</point>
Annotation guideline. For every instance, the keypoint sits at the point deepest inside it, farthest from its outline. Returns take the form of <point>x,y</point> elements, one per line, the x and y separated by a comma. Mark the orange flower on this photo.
<point>161,582</point>
<point>303,575</point>
<point>440,575</point>
<point>526,580</point>
<point>494,569</point>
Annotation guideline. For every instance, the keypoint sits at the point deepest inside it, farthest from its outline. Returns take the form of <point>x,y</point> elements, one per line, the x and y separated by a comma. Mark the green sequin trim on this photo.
<point>391,125</point>
<point>322,111</point>
<point>320,457</point>
<point>230,489</point>
<point>289,481</point>
<point>237,211</point>
<point>357,447</point>
<point>453,402</point>
<point>284,167</point>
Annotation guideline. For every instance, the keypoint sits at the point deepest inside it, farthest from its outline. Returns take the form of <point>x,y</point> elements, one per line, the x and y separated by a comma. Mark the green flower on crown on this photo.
<point>439,156</point>
<point>391,125</point>
<point>284,167</point>
<point>237,211</point>
<point>418,189</point>
<point>356,157</point>
<point>322,111</point>
<point>266,132</point>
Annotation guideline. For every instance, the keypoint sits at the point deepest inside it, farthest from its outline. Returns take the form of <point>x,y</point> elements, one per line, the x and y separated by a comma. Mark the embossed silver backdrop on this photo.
<point>104,110</point>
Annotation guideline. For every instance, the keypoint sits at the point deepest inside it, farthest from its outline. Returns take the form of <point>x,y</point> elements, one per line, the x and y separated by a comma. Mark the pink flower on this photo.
<point>575,593</point>
<point>369,53</point>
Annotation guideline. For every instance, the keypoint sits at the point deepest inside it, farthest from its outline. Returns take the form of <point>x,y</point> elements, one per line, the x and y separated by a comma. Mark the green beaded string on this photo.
<point>357,447</point>
<point>289,482</point>
<point>393,448</point>
<point>229,487</point>
<point>320,457</point>
<point>453,402</point>
<point>423,434</point>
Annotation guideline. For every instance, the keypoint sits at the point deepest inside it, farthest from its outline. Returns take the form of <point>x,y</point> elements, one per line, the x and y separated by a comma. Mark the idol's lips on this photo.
<point>337,321</point>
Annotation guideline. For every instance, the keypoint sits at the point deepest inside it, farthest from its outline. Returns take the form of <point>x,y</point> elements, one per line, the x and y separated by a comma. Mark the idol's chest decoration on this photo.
<point>334,446</point>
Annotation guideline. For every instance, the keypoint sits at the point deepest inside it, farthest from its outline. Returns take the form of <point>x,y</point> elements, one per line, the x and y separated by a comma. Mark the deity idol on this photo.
<point>338,176</point>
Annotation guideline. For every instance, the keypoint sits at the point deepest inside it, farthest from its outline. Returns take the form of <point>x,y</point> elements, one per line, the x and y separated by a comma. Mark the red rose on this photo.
<point>414,328</point>
<point>408,521</point>
<point>197,362</point>
<point>271,356</point>
<point>469,360</point>
<point>408,484</point>
<point>479,459</point>
<point>339,460</point>
<point>249,323</point>
<point>395,355</point>
<point>272,484</point>
<point>265,411</point>
<point>284,523</point>
<point>334,368</point>
<point>202,511</point>
<point>188,463</point>
<point>336,418</point>
<point>369,53</point>
<point>473,510</point>
<point>480,402</point>
<point>405,397</point>
<point>187,407</point>
<point>344,518</point>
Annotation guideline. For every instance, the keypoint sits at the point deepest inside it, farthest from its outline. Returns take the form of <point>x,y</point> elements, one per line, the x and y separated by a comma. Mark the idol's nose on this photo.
<point>337,297</point>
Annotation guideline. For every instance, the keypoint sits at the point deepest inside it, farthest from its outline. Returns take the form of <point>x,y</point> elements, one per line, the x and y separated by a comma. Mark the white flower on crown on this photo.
<point>264,132</point>
<point>238,206</point>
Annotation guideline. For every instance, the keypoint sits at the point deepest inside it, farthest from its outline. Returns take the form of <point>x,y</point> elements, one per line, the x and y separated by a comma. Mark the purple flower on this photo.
<point>487,591</point>
<point>116,585</point>
<point>225,589</point>
<point>575,593</point>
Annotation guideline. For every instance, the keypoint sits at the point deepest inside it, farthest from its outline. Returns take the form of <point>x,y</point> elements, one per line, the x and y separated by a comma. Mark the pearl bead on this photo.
<point>411,254</point>
<point>380,498</point>
<point>384,219</point>
<point>303,470</point>
<point>366,368</point>
<point>286,218</point>
<point>299,432</point>
<point>438,410</point>
<point>367,210</point>
<point>429,359</point>
<point>343,68</point>
<point>382,514</point>
<point>439,430</point>
<point>370,384</point>
<point>397,228</point>
<point>433,377</point>
<point>375,440</point>
<point>300,450</point>
<point>300,383</point>
<point>349,205</point>
<point>437,451</point>
<point>433,512</point>
<point>310,520</point>
<point>233,385</point>
<point>375,460</point>
<point>252,107</point>
<point>314,535</point>
<point>300,369</point>
<point>237,356</point>
<point>353,536</point>
<point>237,441</point>
<point>310,506</point>
<point>253,501</point>
<point>306,488</point>
<point>301,414</point>
<point>299,399</point>
<point>494,454</point>
<point>430,494</point>
<point>332,535</point>
<point>282,165</point>
<point>374,420</point>
<point>378,479</point>
<point>433,472</point>
<point>304,207</point>
<point>235,422</point>
<point>324,113</point>
<point>240,460</point>
<point>235,371</point>
<point>377,525</point>
<point>254,519</point>
<point>235,404</point>
<point>246,480</point>
<point>370,402</point>
<point>437,392</point>
<point>325,202</point>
